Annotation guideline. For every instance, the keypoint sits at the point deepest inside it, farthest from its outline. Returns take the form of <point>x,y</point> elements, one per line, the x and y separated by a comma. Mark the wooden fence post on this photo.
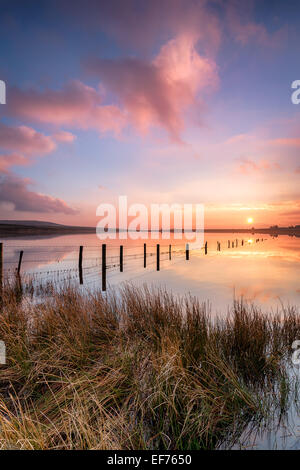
<point>145,255</point>
<point>228,243</point>
<point>205,248</point>
<point>80,265</point>
<point>170,252</point>
<point>20,262</point>
<point>121,258</point>
<point>104,267</point>
<point>232,244</point>
<point>187,252</point>
<point>157,258</point>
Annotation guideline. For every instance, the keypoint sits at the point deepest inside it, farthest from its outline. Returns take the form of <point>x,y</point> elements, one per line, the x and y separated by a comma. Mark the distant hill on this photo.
<point>16,228</point>
<point>20,228</point>
<point>32,223</point>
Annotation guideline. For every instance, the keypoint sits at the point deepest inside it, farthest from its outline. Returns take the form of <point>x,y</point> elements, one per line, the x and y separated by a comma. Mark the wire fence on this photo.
<point>39,266</point>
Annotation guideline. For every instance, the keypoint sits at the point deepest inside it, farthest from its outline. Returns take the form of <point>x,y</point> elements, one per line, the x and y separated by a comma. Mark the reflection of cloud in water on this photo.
<point>253,293</point>
<point>36,258</point>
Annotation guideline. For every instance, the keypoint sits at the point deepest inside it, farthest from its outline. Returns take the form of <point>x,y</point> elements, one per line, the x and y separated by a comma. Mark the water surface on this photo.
<point>266,272</point>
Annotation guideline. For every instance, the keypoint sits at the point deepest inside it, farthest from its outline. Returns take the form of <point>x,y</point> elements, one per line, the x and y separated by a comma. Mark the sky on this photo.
<point>168,101</point>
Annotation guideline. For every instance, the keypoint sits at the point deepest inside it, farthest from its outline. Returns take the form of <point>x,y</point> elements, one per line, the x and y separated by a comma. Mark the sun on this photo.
<point>250,220</point>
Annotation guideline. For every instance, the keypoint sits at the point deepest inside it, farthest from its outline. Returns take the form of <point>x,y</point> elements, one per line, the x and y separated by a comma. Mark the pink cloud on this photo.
<point>144,24</point>
<point>146,93</point>
<point>7,161</point>
<point>25,143</point>
<point>246,166</point>
<point>25,140</point>
<point>75,105</point>
<point>158,92</point>
<point>282,152</point>
<point>64,136</point>
<point>244,28</point>
<point>291,208</point>
<point>14,189</point>
<point>295,213</point>
<point>238,139</point>
<point>286,142</point>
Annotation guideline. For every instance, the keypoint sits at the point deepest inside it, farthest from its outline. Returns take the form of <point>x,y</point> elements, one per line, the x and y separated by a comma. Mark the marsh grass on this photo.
<point>137,369</point>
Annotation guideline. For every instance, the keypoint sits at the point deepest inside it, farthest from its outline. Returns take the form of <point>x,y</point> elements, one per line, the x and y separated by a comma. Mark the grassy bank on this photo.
<point>137,370</point>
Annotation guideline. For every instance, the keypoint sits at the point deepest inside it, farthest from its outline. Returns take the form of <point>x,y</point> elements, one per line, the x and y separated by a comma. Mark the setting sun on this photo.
<point>250,220</point>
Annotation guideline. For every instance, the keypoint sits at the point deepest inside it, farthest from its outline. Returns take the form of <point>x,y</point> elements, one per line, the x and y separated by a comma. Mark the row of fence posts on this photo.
<point>104,264</point>
<point>233,244</point>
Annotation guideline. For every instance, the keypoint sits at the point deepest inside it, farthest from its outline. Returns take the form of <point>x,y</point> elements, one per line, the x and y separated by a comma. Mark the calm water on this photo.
<point>265,272</point>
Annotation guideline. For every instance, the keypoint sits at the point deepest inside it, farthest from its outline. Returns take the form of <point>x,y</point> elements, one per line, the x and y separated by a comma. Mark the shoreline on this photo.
<point>18,230</point>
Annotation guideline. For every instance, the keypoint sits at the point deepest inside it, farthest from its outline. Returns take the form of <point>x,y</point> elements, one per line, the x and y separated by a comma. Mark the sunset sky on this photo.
<point>165,101</point>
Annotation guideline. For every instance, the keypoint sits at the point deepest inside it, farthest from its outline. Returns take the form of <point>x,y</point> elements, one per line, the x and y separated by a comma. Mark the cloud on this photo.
<point>64,136</point>
<point>75,105</point>
<point>291,209</point>
<point>14,189</point>
<point>9,160</point>
<point>25,140</point>
<point>24,143</point>
<point>246,166</point>
<point>157,92</point>
<point>145,93</point>
<point>238,139</point>
<point>295,213</point>
<point>243,27</point>
<point>281,152</point>
<point>143,23</point>
<point>246,139</point>
<point>286,142</point>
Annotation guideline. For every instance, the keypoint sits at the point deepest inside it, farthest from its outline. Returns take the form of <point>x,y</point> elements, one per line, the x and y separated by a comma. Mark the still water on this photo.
<point>265,272</point>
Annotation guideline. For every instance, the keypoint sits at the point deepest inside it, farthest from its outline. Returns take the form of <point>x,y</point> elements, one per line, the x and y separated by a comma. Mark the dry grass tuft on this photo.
<point>136,369</point>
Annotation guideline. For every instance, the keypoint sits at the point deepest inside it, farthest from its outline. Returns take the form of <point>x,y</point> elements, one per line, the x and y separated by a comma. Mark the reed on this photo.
<point>136,369</point>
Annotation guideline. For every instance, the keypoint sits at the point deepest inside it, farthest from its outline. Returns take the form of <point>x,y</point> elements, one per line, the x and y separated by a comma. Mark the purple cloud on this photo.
<point>14,189</point>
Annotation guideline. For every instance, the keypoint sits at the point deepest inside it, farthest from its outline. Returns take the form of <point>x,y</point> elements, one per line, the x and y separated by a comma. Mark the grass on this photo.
<point>137,369</point>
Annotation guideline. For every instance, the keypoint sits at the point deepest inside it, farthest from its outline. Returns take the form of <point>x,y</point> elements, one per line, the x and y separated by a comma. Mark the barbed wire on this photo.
<point>92,273</point>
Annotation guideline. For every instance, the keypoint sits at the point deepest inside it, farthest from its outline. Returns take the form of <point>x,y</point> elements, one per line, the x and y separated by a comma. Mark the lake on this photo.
<point>265,272</point>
